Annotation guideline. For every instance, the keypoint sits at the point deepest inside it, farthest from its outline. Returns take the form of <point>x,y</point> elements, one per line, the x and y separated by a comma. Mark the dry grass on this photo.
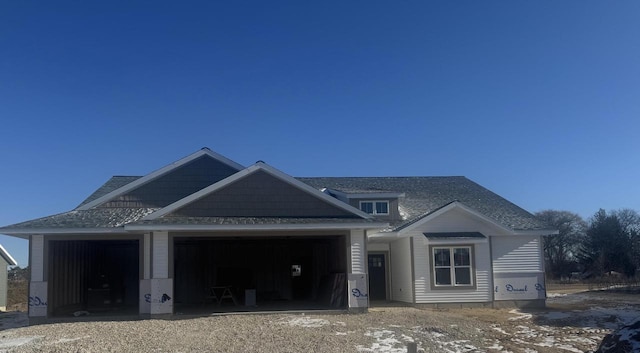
<point>17,295</point>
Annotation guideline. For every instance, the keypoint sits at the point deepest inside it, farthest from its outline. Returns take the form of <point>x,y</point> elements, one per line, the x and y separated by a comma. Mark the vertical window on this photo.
<point>452,266</point>
<point>375,207</point>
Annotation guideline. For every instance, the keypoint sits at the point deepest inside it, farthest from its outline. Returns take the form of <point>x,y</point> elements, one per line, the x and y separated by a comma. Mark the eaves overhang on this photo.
<point>26,232</point>
<point>253,227</point>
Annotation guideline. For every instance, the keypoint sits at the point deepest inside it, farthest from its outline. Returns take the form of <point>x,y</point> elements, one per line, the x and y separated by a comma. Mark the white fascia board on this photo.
<point>162,171</point>
<point>382,237</point>
<point>537,232</point>
<point>246,172</point>
<point>455,204</point>
<point>5,254</point>
<point>21,233</point>
<point>257,227</point>
<point>455,241</point>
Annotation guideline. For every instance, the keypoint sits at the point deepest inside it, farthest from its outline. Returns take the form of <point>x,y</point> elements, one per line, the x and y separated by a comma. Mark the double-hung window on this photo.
<point>375,207</point>
<point>452,266</point>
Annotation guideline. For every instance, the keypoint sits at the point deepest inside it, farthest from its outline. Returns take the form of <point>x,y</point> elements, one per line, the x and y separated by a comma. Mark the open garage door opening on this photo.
<point>259,273</point>
<point>93,277</point>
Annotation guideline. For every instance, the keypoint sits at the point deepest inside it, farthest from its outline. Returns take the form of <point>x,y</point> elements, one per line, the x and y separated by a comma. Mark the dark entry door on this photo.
<point>377,277</point>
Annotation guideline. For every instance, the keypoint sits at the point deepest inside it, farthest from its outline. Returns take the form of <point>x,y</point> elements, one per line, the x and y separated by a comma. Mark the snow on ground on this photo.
<point>572,323</point>
<point>304,321</point>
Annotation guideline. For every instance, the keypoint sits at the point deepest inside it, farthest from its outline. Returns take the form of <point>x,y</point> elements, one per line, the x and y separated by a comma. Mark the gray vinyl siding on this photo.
<point>260,195</point>
<point>402,286</point>
<point>175,185</point>
<point>517,254</point>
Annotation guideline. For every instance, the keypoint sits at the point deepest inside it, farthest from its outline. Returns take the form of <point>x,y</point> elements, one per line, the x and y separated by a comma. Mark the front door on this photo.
<point>377,277</point>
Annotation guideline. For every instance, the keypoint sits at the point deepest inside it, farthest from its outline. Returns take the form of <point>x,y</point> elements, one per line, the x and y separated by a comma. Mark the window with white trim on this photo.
<point>375,207</point>
<point>452,266</point>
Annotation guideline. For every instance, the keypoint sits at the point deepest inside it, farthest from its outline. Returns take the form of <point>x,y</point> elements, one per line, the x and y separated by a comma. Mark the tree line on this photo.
<point>608,243</point>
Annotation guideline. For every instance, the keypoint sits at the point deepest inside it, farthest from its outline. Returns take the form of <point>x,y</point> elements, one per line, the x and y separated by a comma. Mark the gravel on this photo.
<point>571,323</point>
<point>380,330</point>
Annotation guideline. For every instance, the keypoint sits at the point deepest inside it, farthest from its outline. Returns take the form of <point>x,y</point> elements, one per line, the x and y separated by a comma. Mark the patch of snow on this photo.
<point>18,341</point>
<point>499,329</point>
<point>305,321</point>
<point>521,315</point>
<point>406,338</point>
<point>65,340</point>
<point>385,341</point>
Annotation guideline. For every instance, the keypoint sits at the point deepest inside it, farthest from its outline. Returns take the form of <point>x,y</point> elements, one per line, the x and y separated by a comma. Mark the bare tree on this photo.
<point>560,250</point>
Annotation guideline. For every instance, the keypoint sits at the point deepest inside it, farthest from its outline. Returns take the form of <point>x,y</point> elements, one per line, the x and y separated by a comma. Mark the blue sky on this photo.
<point>538,101</point>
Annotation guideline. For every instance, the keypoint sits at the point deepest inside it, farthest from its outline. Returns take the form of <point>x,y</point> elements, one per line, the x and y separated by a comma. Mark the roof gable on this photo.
<point>259,191</point>
<point>166,185</point>
<point>425,195</point>
<point>7,257</point>
<point>456,217</point>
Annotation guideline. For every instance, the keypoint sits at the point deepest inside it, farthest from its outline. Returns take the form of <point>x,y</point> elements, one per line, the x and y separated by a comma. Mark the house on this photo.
<point>5,261</point>
<point>206,233</point>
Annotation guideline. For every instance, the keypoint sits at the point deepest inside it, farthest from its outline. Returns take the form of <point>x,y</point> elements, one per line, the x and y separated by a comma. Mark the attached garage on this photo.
<point>97,276</point>
<point>268,272</point>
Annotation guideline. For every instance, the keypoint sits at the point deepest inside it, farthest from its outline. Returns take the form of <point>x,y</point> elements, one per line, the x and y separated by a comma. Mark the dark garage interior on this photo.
<point>96,276</point>
<point>260,273</point>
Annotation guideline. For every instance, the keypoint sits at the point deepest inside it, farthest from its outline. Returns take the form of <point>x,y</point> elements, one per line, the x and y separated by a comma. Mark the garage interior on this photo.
<point>95,276</point>
<point>226,274</point>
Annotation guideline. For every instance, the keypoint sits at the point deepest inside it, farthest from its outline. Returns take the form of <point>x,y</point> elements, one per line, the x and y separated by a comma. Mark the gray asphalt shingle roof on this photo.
<point>93,218</point>
<point>422,196</point>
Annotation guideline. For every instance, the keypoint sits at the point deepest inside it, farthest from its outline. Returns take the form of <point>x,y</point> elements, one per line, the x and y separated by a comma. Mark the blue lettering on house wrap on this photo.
<point>540,287</point>
<point>510,288</point>
<point>36,301</point>
<point>356,293</point>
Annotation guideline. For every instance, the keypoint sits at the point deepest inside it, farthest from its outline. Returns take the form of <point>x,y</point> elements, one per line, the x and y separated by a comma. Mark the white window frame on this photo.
<point>374,209</point>
<point>452,267</point>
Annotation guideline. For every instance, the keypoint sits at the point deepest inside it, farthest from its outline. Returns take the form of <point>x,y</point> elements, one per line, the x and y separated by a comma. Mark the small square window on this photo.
<point>382,207</point>
<point>366,207</point>
<point>375,207</point>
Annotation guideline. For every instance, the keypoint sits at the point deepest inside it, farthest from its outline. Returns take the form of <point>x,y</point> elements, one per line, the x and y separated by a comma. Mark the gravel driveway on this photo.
<point>567,329</point>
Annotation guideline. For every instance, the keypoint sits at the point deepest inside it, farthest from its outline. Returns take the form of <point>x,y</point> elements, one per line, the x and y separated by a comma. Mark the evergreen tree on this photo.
<point>607,246</point>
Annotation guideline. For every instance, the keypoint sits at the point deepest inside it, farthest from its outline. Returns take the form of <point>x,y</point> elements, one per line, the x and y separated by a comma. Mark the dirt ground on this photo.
<point>574,321</point>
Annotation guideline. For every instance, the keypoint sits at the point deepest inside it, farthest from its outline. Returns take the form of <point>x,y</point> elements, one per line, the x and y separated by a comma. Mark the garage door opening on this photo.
<point>94,276</point>
<point>256,274</point>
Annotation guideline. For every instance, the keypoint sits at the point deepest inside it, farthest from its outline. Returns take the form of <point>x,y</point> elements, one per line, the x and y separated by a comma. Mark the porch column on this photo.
<point>38,297</point>
<point>358,286</point>
<point>161,291</point>
<point>144,302</point>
